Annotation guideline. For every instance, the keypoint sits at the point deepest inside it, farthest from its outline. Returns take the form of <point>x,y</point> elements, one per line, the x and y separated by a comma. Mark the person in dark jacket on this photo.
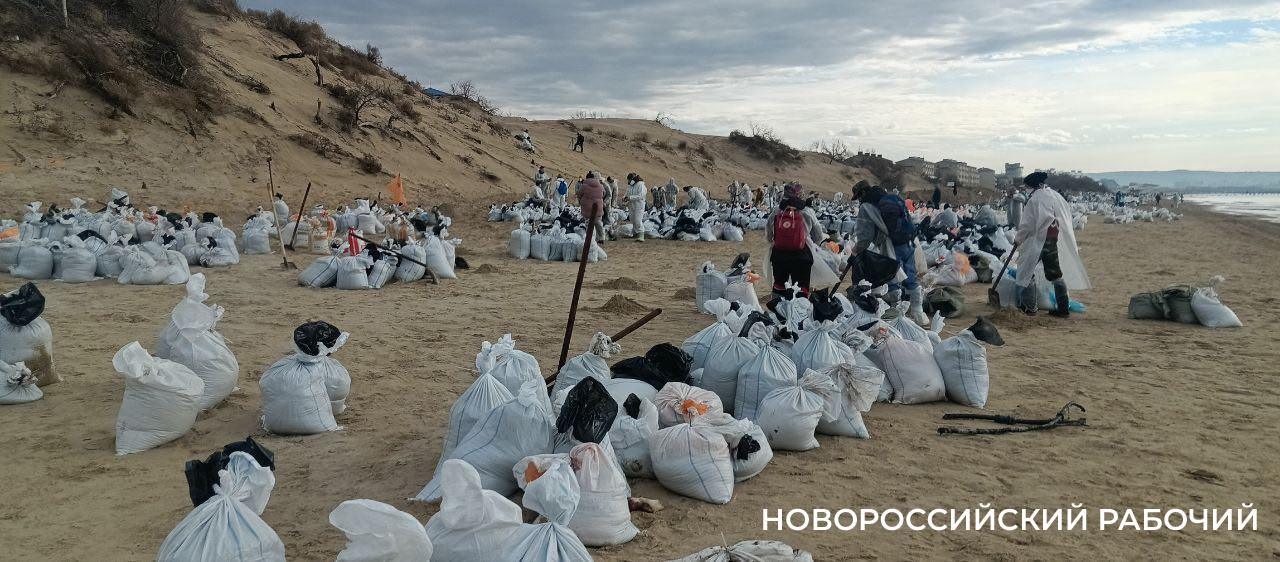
<point>591,198</point>
<point>937,196</point>
<point>795,265</point>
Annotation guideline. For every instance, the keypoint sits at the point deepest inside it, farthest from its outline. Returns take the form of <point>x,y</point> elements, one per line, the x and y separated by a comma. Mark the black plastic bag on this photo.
<point>746,446</point>
<point>639,368</point>
<point>87,234</point>
<point>589,411</point>
<point>203,474</point>
<point>632,406</point>
<point>985,331</point>
<point>825,307</point>
<point>459,263</point>
<point>670,360</point>
<point>208,217</point>
<point>873,268</point>
<point>756,317</point>
<point>309,335</point>
<point>23,306</point>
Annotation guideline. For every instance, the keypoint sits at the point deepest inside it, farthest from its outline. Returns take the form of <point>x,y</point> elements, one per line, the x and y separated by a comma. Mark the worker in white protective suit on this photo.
<point>1045,236</point>
<point>635,198</point>
<point>672,191</point>
<point>697,198</point>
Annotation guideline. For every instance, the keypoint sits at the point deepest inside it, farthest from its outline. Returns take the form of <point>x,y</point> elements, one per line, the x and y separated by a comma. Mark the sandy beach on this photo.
<point>1179,416</point>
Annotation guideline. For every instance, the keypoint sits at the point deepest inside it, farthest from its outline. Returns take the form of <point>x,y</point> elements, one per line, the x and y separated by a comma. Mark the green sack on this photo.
<point>1146,306</point>
<point>948,301</point>
<point>1177,304</point>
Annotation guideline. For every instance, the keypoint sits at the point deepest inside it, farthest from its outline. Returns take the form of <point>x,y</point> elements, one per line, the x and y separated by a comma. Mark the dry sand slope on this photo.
<point>1179,416</point>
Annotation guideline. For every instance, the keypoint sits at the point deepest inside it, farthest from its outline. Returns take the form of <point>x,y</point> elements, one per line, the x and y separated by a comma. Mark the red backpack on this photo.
<point>789,230</point>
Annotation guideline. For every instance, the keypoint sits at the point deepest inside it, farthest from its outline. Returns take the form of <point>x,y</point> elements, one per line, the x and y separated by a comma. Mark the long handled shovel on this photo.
<point>271,188</point>
<point>621,334</point>
<point>301,210</point>
<point>993,295</point>
<point>382,248</point>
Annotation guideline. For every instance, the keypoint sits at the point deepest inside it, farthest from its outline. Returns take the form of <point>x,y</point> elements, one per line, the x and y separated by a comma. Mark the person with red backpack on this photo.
<point>789,230</point>
<point>885,226</point>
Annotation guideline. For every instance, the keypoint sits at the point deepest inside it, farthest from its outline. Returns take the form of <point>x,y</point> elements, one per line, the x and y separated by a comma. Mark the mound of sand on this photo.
<point>619,304</point>
<point>687,293</point>
<point>623,284</point>
<point>486,268</point>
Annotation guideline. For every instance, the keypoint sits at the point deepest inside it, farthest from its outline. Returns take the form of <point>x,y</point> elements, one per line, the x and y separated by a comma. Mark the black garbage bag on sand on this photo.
<point>663,363</point>
<point>670,360</point>
<point>23,306</point>
<point>589,411</point>
<point>203,474</point>
<point>308,336</point>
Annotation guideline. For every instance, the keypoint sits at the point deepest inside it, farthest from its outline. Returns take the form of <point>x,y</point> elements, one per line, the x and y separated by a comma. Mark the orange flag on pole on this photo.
<point>396,189</point>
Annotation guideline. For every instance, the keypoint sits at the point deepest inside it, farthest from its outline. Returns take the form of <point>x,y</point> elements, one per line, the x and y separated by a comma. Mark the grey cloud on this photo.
<point>551,58</point>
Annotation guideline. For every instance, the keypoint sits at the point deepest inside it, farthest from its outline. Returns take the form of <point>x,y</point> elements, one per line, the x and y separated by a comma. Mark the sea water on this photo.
<point>1265,206</point>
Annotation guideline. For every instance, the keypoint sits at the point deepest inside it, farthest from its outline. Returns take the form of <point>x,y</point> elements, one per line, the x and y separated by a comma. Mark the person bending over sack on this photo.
<point>885,226</point>
<point>1045,236</point>
<point>789,230</point>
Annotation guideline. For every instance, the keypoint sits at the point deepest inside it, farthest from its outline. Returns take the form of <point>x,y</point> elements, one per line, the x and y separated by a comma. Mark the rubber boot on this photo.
<point>1028,300</point>
<point>916,311</point>
<point>1062,300</point>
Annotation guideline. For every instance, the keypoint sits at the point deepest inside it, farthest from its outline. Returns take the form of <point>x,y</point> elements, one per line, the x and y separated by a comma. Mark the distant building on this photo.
<point>920,166</point>
<point>986,178</point>
<point>1013,172</point>
<point>956,171</point>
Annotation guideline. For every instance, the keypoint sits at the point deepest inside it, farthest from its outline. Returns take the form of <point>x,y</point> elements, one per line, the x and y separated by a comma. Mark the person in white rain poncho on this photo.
<point>672,191</point>
<point>636,191</point>
<point>1045,236</point>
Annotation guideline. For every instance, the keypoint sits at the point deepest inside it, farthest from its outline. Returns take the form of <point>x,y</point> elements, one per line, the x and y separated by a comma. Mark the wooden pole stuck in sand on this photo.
<point>618,336</point>
<point>301,209</point>
<point>577,288</point>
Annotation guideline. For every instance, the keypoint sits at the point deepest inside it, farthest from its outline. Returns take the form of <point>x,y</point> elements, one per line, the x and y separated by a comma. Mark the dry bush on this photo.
<point>467,90</point>
<point>405,107</point>
<point>498,129</point>
<point>683,144</point>
<point>640,137</point>
<point>373,54</point>
<point>492,177</point>
<point>309,36</point>
<point>350,62</point>
<point>616,135</point>
<point>705,153</point>
<point>588,128</point>
<point>370,164</point>
<point>661,144</point>
<point>763,144</point>
<point>103,72</point>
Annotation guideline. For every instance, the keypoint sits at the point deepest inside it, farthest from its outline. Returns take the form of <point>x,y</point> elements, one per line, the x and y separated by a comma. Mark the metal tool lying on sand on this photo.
<point>1062,418</point>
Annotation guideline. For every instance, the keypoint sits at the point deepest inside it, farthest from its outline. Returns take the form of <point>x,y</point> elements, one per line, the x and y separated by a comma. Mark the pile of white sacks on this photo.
<point>718,222</point>
<point>753,383</point>
<point>133,246</point>
<point>374,269</point>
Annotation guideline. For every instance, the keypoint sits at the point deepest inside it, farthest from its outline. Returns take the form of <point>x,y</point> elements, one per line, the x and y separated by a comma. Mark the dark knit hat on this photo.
<point>1036,179</point>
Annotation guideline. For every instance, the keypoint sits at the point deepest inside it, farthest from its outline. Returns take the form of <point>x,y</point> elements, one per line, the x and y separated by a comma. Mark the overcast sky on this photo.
<point>1093,85</point>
